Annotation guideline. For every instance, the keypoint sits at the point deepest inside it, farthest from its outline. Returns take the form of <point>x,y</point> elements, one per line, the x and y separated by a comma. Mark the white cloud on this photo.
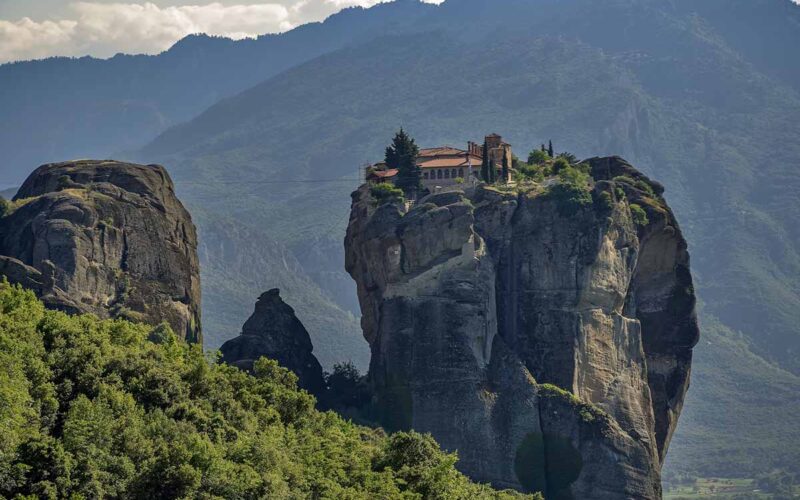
<point>103,29</point>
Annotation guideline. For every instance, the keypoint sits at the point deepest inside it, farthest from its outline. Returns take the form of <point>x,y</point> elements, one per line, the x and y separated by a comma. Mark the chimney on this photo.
<point>473,148</point>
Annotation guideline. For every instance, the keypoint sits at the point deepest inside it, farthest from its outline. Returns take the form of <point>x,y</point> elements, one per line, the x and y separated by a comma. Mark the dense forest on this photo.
<point>111,409</point>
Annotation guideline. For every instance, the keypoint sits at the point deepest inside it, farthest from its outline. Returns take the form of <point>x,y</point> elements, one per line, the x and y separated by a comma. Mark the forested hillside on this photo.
<point>111,409</point>
<point>685,92</point>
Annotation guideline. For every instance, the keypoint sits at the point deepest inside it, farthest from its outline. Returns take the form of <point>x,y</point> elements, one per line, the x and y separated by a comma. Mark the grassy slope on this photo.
<point>669,88</point>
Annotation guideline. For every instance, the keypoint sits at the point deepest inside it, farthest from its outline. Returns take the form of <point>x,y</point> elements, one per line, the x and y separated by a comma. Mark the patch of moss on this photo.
<point>107,221</point>
<point>604,201</point>
<point>128,314</point>
<point>11,206</point>
<point>653,203</point>
<point>587,411</point>
<point>639,215</point>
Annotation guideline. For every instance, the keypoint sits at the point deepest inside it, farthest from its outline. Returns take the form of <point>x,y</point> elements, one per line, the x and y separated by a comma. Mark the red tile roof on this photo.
<point>384,173</point>
<point>441,151</point>
<point>446,157</point>
<point>441,157</point>
<point>458,161</point>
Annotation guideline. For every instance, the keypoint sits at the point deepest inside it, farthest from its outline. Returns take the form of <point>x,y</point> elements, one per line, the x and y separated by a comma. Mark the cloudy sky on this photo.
<point>32,29</point>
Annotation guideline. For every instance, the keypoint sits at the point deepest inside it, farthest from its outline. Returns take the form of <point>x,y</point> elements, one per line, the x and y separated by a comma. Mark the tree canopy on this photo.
<point>111,409</point>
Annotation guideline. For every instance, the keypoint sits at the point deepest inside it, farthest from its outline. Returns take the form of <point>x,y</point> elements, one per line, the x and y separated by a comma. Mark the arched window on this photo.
<point>439,174</point>
<point>453,173</point>
<point>447,174</point>
<point>461,172</point>
<point>424,175</point>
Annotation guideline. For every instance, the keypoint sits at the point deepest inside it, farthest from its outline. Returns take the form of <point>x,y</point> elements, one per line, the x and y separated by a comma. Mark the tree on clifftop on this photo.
<point>485,164</point>
<point>506,165</point>
<point>488,171</point>
<point>402,155</point>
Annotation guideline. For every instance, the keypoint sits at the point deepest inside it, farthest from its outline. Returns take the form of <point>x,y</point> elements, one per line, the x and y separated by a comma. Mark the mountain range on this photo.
<point>264,139</point>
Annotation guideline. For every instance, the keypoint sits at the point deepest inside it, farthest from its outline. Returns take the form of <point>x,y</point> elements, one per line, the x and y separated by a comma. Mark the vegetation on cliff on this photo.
<point>110,409</point>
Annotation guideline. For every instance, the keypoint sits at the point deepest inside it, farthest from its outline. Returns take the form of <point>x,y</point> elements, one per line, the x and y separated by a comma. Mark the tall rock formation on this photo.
<point>273,331</point>
<point>548,341</point>
<point>107,238</point>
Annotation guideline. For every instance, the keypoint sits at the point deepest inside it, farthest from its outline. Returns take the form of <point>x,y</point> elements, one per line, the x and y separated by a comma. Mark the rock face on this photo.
<point>106,238</point>
<point>273,331</point>
<point>548,342</point>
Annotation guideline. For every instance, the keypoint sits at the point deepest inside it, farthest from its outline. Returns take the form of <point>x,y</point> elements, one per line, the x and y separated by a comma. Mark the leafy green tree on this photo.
<point>537,157</point>
<point>347,387</point>
<point>571,158</point>
<point>402,155</point>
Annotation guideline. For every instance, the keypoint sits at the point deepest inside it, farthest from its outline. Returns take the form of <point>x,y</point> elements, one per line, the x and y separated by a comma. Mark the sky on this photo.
<point>33,29</point>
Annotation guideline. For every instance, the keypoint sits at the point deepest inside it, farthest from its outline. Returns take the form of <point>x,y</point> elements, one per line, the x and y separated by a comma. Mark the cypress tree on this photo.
<point>485,164</point>
<point>550,148</point>
<point>544,149</point>
<point>506,166</point>
<point>402,155</point>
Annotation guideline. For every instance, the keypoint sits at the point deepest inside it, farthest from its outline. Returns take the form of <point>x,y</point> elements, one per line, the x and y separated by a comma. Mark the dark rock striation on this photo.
<point>273,331</point>
<point>107,238</point>
<point>548,342</point>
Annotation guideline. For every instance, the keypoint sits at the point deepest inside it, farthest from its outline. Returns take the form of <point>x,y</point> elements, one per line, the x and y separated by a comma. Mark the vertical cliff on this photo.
<point>107,238</point>
<point>548,342</point>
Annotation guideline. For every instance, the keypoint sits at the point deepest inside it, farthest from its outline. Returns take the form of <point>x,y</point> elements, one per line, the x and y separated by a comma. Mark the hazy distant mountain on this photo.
<point>64,108</point>
<point>703,96</point>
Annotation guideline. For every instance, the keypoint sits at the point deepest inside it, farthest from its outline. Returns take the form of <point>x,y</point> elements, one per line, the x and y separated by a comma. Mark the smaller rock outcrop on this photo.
<point>273,331</point>
<point>107,238</point>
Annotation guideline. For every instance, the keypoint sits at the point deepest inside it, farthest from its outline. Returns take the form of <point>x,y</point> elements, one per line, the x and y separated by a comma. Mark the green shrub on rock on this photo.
<point>537,157</point>
<point>639,215</point>
<point>560,164</point>
<point>386,193</point>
